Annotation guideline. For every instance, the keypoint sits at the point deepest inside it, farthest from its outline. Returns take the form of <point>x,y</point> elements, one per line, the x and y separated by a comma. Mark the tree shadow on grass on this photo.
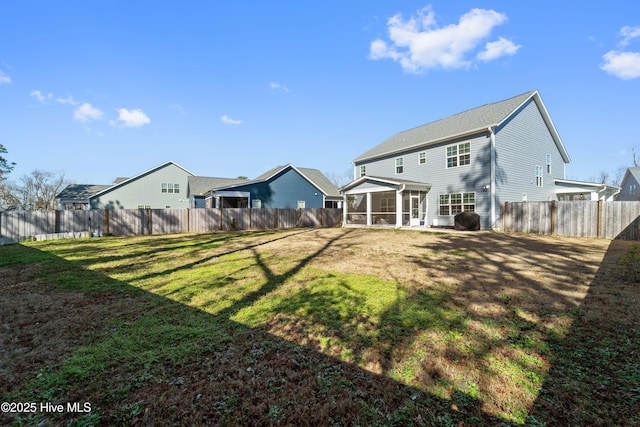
<point>140,358</point>
<point>595,373</point>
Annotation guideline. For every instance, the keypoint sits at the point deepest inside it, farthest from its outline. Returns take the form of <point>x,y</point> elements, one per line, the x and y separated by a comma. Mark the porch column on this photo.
<point>369,209</point>
<point>344,210</point>
<point>399,213</point>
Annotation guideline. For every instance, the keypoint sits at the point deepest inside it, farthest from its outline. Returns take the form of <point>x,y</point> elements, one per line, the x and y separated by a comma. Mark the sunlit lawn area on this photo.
<point>323,327</point>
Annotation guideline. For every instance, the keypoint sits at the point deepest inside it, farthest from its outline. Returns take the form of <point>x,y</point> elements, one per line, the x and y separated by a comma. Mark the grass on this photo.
<point>329,326</point>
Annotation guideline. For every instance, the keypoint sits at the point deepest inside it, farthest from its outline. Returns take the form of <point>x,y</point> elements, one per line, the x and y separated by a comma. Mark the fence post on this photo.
<point>149,222</point>
<point>554,216</point>
<point>600,217</point>
<point>505,214</point>
<point>106,222</point>
<point>56,221</point>
<point>187,225</point>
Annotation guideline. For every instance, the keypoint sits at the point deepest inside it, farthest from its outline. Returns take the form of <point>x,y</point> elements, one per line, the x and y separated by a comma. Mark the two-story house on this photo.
<point>506,151</point>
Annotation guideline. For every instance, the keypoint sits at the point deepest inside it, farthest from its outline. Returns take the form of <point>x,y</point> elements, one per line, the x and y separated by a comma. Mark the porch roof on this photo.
<point>398,184</point>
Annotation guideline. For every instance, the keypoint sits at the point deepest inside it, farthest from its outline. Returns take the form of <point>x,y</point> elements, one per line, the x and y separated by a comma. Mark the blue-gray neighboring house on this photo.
<point>507,151</point>
<point>630,187</point>
<point>281,187</point>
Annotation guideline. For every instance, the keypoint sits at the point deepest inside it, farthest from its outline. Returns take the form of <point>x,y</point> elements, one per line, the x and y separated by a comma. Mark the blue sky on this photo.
<point>100,90</point>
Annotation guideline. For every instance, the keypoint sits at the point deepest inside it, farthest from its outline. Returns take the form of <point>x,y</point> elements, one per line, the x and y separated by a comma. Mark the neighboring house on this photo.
<point>281,187</point>
<point>630,187</point>
<point>164,186</point>
<point>199,186</point>
<point>567,190</point>
<point>508,151</point>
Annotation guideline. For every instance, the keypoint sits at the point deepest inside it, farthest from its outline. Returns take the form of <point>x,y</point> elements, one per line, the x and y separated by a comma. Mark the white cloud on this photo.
<point>625,65</point>
<point>628,34</point>
<point>4,79</point>
<point>418,43</point>
<point>68,100</point>
<point>278,86</point>
<point>228,120</point>
<point>494,50</point>
<point>133,118</point>
<point>40,96</point>
<point>86,112</point>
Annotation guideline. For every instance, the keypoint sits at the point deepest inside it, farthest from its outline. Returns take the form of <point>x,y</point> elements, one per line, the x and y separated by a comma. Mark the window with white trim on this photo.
<point>458,155</point>
<point>301,204</point>
<point>539,181</point>
<point>171,188</point>
<point>399,165</point>
<point>422,158</point>
<point>256,203</point>
<point>454,203</point>
<point>548,163</point>
<point>363,170</point>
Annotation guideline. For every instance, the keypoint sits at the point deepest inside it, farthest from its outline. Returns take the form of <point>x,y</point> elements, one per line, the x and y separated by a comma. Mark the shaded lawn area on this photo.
<point>323,327</point>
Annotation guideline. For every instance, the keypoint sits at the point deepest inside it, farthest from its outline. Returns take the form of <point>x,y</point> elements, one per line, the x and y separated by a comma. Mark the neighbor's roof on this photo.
<point>81,191</point>
<point>469,122</point>
<point>634,172</point>
<point>314,176</point>
<point>200,185</point>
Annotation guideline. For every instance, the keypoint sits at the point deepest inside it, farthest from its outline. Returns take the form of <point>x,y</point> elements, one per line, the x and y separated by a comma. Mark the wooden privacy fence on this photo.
<point>610,220</point>
<point>17,226</point>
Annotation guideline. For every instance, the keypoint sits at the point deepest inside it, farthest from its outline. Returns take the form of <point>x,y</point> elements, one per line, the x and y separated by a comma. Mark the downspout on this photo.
<point>492,177</point>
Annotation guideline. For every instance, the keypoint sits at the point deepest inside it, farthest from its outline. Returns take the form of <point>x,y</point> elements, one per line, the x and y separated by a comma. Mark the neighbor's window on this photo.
<point>170,188</point>
<point>363,170</point>
<point>422,158</point>
<point>301,204</point>
<point>256,203</point>
<point>539,176</point>
<point>399,165</point>
<point>452,204</point>
<point>548,163</point>
<point>458,155</point>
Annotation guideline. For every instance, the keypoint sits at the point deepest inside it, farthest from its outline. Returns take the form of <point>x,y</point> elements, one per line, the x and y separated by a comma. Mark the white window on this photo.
<point>301,204</point>
<point>422,158</point>
<point>256,203</point>
<point>399,165</point>
<point>363,170</point>
<point>170,188</point>
<point>539,182</point>
<point>459,155</point>
<point>548,163</point>
<point>452,204</point>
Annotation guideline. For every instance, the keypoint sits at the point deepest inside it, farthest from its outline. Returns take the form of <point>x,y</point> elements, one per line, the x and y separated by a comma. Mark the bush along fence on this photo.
<point>609,220</point>
<point>16,226</point>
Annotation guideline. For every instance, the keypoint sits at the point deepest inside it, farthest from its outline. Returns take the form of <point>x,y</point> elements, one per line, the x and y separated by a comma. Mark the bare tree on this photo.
<point>36,191</point>
<point>635,156</point>
<point>340,180</point>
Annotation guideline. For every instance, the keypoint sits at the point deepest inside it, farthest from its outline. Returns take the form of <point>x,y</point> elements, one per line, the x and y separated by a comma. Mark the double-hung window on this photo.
<point>539,176</point>
<point>168,187</point>
<point>422,158</point>
<point>363,170</point>
<point>399,165</point>
<point>548,163</point>
<point>459,155</point>
<point>454,203</point>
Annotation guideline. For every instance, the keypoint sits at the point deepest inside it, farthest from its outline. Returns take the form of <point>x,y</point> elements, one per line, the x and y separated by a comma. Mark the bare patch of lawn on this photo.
<point>302,327</point>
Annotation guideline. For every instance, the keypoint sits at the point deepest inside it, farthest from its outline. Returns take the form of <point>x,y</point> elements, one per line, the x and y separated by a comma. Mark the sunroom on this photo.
<point>374,201</point>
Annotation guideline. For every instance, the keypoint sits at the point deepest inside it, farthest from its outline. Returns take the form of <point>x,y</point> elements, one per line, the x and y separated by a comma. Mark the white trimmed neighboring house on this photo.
<point>508,151</point>
<point>285,186</point>
<point>164,186</point>
<point>630,187</point>
<point>568,190</point>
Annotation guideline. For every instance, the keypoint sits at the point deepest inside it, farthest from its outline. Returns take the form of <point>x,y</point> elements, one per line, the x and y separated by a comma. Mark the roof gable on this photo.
<point>313,176</point>
<point>473,121</point>
<point>140,175</point>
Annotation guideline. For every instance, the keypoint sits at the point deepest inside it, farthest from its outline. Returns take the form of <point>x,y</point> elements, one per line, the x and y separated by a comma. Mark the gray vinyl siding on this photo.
<point>462,179</point>
<point>146,190</point>
<point>522,143</point>
<point>630,188</point>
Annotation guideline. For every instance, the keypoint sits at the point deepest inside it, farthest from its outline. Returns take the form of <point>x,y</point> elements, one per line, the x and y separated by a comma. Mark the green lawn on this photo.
<point>322,327</point>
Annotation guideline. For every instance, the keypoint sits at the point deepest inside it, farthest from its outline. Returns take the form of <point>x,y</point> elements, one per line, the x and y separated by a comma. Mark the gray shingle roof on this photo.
<point>316,177</point>
<point>459,124</point>
<point>80,191</point>
<point>200,185</point>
